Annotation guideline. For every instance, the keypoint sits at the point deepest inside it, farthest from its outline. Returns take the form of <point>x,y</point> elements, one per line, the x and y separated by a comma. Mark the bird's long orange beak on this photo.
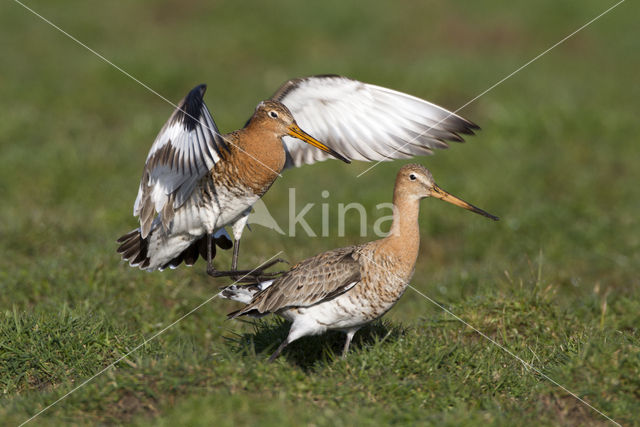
<point>439,193</point>
<point>295,131</point>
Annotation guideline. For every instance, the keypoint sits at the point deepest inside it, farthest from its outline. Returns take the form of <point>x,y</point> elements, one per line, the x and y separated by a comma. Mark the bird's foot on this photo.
<point>254,275</point>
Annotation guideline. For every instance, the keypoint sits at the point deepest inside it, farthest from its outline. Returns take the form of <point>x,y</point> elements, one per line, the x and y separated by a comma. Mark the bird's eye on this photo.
<point>412,177</point>
<point>273,114</point>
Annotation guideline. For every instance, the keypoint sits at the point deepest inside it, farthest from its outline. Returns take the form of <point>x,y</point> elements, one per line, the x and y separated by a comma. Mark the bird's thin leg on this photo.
<point>236,251</point>
<point>279,350</point>
<point>350,335</point>
<point>210,270</point>
<point>252,275</point>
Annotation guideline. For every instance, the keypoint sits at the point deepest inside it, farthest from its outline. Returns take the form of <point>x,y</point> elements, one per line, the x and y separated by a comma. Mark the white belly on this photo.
<point>231,208</point>
<point>197,217</point>
<point>347,311</point>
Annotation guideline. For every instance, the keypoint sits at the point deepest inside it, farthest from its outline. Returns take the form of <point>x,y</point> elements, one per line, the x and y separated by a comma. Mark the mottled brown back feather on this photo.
<point>309,282</point>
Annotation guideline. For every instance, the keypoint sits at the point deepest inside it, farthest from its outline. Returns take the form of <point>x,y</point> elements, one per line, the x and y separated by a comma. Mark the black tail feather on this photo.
<point>134,249</point>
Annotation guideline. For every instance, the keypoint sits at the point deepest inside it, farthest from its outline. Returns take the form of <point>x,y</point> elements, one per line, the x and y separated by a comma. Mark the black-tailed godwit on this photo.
<point>344,289</point>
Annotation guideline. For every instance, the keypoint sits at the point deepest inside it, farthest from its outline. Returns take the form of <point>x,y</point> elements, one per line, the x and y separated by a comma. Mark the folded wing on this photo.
<point>310,282</point>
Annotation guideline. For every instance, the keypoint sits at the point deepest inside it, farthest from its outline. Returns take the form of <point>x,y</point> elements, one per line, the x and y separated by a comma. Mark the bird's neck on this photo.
<point>404,237</point>
<point>259,156</point>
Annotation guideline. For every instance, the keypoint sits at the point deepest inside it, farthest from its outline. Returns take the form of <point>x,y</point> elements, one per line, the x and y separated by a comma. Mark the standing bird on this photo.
<point>197,181</point>
<point>344,289</point>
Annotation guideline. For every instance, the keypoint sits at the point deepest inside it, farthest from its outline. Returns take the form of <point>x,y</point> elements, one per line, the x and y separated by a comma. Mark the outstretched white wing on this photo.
<point>186,148</point>
<point>364,121</point>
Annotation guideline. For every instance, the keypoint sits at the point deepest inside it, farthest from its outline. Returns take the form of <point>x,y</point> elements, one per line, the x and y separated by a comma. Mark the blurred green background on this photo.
<point>556,160</point>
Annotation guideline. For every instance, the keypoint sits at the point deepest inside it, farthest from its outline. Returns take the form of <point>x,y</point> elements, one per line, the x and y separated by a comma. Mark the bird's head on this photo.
<point>416,182</point>
<point>275,116</point>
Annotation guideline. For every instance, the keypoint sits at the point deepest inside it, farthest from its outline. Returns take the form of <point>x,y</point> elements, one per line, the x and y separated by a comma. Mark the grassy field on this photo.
<point>556,281</point>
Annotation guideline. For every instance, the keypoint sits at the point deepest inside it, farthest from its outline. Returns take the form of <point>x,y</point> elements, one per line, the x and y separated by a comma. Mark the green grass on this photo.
<point>556,281</point>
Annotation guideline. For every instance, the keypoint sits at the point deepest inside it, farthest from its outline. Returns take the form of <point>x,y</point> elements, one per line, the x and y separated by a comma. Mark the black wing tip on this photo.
<point>198,90</point>
<point>470,128</point>
<point>195,96</point>
<point>462,127</point>
<point>190,108</point>
<point>473,127</point>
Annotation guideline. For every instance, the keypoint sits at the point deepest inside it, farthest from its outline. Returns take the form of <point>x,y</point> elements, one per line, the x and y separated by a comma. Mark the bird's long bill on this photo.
<point>295,131</point>
<point>439,193</point>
